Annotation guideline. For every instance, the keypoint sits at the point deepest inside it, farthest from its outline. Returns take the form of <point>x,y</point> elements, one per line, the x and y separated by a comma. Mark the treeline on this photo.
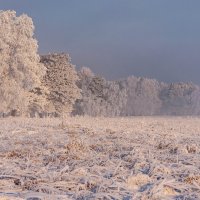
<point>135,96</point>
<point>49,85</point>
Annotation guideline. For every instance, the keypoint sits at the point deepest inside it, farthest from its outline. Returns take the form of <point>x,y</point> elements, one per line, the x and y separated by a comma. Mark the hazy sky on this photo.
<point>116,38</point>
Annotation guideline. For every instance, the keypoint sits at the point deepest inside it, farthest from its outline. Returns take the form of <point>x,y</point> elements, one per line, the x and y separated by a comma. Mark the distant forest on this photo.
<point>49,85</point>
<point>134,96</point>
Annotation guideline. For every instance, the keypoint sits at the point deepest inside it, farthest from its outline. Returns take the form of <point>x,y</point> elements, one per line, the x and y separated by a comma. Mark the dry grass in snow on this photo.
<point>136,158</point>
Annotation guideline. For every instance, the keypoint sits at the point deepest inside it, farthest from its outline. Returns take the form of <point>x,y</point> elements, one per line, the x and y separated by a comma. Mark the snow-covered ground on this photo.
<point>100,158</point>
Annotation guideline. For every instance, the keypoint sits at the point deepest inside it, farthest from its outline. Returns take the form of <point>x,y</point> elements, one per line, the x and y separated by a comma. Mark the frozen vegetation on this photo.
<point>79,157</point>
<point>100,158</point>
<point>49,85</point>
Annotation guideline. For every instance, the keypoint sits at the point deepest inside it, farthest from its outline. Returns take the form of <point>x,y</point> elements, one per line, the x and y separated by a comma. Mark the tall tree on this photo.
<point>20,67</point>
<point>60,79</point>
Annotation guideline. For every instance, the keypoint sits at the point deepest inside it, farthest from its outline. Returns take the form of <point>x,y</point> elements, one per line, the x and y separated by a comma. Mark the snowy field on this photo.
<point>136,158</point>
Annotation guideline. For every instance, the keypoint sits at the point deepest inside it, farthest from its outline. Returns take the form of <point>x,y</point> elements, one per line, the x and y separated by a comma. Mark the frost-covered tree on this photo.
<point>38,101</point>
<point>142,96</point>
<point>60,79</point>
<point>20,67</point>
<point>99,96</point>
<point>180,99</point>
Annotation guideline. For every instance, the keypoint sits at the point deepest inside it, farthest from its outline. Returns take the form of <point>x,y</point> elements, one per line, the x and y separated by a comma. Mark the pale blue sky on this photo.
<point>116,38</point>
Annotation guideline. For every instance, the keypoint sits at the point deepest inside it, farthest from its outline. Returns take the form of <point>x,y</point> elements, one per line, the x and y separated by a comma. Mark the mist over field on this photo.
<point>123,124</point>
